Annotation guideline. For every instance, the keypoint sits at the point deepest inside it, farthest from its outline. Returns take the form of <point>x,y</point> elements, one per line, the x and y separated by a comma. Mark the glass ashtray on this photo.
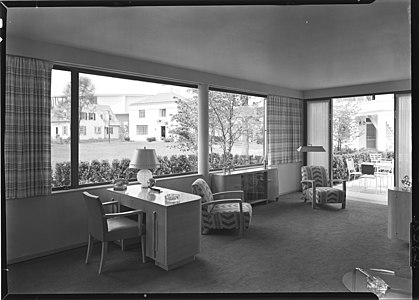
<point>172,198</point>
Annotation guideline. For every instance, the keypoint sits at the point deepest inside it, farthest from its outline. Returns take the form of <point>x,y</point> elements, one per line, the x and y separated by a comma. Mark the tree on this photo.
<point>230,118</point>
<point>345,122</point>
<point>62,111</point>
<point>186,128</point>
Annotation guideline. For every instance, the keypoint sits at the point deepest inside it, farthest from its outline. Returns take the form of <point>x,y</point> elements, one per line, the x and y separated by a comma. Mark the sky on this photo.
<point>109,85</point>
<point>113,86</point>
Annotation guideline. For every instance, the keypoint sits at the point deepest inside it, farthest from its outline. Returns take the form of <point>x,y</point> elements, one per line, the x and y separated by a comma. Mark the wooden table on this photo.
<point>173,230</point>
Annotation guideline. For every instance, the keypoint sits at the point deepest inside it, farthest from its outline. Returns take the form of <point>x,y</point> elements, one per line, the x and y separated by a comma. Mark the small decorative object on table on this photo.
<point>151,182</point>
<point>120,185</point>
<point>407,184</point>
<point>172,198</point>
<point>374,283</point>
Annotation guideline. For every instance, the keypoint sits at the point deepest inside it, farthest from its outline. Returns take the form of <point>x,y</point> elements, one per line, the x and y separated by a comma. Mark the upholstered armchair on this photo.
<point>318,188</point>
<point>223,210</point>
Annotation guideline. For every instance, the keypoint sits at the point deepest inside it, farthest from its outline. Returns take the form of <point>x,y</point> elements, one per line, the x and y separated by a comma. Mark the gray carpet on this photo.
<point>289,248</point>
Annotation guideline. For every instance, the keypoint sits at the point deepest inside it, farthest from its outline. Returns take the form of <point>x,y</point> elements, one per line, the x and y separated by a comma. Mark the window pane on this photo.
<point>318,132</point>
<point>60,128</point>
<point>118,116</point>
<point>236,129</point>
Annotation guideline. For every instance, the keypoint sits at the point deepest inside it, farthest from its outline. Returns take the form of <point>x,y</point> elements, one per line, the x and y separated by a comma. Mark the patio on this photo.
<point>372,190</point>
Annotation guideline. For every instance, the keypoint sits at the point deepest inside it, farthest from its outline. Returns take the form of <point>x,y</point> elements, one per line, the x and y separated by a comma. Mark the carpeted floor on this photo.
<point>289,248</point>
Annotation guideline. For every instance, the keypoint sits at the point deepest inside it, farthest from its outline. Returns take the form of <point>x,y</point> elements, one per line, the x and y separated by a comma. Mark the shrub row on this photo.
<point>104,171</point>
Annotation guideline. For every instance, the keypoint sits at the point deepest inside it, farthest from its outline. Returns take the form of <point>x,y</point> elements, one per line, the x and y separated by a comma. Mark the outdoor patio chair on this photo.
<point>384,171</point>
<point>351,169</point>
<point>318,188</point>
<point>368,173</point>
<point>229,212</point>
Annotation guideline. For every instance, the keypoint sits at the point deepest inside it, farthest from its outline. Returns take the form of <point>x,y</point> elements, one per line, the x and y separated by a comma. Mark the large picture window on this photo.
<point>112,122</point>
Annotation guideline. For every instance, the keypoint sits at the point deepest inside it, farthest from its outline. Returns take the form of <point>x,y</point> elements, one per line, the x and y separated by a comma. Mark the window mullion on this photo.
<point>75,128</point>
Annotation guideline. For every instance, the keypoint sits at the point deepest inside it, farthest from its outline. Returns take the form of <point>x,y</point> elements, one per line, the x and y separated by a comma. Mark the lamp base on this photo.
<point>143,176</point>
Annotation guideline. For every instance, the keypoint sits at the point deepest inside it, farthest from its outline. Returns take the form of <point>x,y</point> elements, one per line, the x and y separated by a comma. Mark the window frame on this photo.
<point>140,131</point>
<point>232,91</point>
<point>83,130</point>
<point>162,112</point>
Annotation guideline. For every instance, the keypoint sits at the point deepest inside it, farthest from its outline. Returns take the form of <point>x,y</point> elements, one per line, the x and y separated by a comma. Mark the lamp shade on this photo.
<point>310,148</point>
<point>144,159</point>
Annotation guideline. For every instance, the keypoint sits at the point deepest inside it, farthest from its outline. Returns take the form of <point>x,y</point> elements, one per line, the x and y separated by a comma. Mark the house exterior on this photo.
<point>151,116</point>
<point>376,124</point>
<point>97,122</point>
<point>119,104</point>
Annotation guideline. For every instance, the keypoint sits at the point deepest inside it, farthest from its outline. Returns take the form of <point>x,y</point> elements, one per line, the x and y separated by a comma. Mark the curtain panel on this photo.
<point>27,132</point>
<point>285,129</point>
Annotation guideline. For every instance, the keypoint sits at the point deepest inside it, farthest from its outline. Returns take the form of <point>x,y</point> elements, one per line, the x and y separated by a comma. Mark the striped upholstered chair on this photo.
<point>318,189</point>
<point>223,210</point>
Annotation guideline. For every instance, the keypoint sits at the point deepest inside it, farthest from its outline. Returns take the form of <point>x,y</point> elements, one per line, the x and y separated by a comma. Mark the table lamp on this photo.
<point>145,160</point>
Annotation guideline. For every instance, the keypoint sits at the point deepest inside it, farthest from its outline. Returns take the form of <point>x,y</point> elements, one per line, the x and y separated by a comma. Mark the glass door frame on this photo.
<point>330,129</point>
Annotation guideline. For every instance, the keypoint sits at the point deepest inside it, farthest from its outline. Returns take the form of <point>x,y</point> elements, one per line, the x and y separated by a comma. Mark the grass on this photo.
<point>103,150</point>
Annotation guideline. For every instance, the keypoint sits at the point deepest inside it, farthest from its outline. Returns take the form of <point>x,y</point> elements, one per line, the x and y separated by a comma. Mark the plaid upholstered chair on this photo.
<point>318,189</point>
<point>221,210</point>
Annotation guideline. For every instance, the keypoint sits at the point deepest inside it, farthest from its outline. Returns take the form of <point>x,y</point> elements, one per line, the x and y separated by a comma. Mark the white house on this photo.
<point>97,122</point>
<point>152,116</point>
<point>119,106</point>
<point>376,125</point>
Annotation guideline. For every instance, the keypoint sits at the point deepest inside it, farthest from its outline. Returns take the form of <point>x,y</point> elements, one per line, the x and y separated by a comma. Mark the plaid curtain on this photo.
<point>285,129</point>
<point>27,132</point>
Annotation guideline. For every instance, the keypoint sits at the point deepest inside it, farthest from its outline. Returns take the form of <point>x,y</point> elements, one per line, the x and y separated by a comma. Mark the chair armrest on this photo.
<point>343,181</point>
<point>231,194</point>
<point>308,181</point>
<point>123,214</point>
<point>112,202</point>
<point>223,201</point>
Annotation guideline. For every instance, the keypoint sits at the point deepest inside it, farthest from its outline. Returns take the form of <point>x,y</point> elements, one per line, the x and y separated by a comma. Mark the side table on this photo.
<point>358,280</point>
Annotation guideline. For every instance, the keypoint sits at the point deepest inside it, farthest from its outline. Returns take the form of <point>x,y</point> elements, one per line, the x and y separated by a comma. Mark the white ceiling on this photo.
<point>297,47</point>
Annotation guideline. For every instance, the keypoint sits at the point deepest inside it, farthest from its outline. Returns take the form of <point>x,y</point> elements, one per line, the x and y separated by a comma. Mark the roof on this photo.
<point>159,98</point>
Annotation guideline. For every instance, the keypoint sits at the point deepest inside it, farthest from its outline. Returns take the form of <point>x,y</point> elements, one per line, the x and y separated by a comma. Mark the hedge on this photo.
<point>102,171</point>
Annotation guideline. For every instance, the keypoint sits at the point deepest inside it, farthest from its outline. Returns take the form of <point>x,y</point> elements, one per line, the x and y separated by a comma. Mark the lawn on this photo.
<point>104,150</point>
